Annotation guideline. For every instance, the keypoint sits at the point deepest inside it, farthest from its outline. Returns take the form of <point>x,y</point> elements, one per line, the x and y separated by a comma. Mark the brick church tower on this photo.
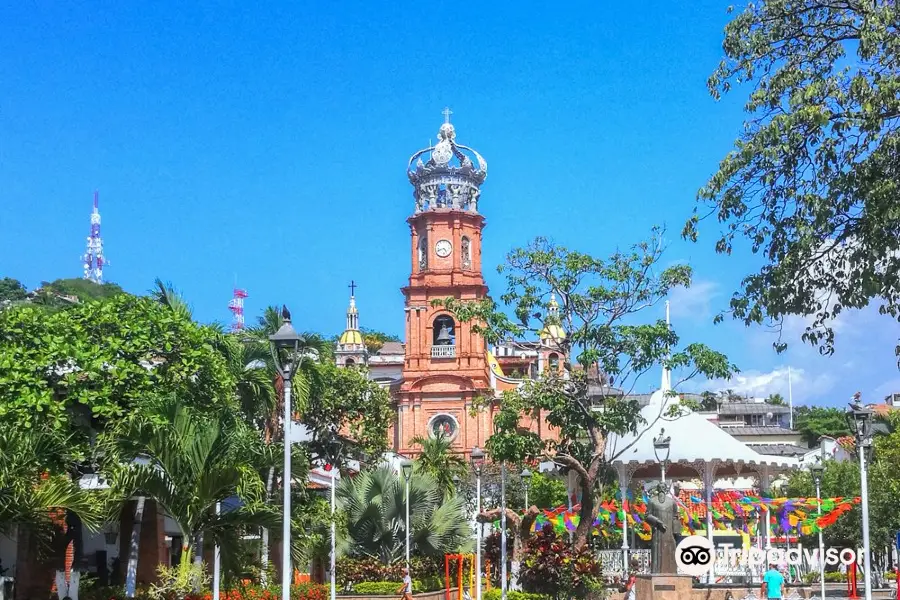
<point>446,363</point>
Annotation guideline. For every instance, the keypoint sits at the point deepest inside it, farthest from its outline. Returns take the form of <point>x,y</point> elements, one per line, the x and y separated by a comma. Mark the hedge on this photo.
<point>495,594</point>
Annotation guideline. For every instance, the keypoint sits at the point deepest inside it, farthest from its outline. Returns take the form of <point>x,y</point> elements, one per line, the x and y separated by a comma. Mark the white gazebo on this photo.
<point>697,449</point>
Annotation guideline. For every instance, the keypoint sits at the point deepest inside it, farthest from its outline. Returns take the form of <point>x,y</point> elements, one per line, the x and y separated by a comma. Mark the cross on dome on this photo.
<point>446,112</point>
<point>352,287</point>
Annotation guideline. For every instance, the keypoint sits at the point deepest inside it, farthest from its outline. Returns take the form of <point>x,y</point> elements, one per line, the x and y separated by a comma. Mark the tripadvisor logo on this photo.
<point>695,556</point>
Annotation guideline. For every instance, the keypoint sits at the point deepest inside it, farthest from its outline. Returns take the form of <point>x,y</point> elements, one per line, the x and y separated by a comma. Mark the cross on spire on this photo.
<point>447,112</point>
<point>352,287</point>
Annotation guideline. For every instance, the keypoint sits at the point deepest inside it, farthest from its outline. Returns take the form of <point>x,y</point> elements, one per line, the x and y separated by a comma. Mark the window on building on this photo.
<point>466,253</point>
<point>423,251</point>
<point>349,362</point>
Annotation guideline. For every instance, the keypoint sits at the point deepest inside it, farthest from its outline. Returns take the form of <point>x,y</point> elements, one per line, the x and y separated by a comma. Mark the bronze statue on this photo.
<point>663,518</point>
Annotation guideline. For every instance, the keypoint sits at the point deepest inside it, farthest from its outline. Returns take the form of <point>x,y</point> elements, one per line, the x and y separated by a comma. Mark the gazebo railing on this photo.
<point>612,564</point>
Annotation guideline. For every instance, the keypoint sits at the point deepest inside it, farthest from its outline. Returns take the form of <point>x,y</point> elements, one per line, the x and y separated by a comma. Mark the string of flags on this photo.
<point>730,511</point>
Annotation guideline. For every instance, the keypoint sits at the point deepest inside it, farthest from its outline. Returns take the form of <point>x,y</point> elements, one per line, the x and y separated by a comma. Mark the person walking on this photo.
<point>773,583</point>
<point>407,588</point>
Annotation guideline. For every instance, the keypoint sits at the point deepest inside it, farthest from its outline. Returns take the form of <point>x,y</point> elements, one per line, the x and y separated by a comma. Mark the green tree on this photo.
<point>76,370</point>
<point>815,421</point>
<point>546,492</point>
<point>813,182</point>
<point>709,401</point>
<point>201,467</point>
<point>776,400</point>
<point>438,461</point>
<point>375,506</point>
<point>375,339</point>
<point>12,290</point>
<point>34,481</point>
<point>65,293</point>
<point>600,302</point>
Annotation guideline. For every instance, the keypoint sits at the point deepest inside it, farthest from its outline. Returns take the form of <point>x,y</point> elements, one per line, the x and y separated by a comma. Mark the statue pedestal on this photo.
<point>663,587</point>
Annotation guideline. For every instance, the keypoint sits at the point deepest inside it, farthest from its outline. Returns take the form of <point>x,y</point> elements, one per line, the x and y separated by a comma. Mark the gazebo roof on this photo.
<point>694,441</point>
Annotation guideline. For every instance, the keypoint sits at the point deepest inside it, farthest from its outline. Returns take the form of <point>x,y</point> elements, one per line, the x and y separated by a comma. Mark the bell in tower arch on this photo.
<point>443,338</point>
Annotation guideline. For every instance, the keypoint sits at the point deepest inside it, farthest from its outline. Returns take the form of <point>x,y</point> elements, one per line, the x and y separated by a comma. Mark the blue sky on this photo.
<point>267,145</point>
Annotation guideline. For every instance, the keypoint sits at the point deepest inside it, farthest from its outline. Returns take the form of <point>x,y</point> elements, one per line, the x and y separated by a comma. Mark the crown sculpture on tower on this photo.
<point>451,178</point>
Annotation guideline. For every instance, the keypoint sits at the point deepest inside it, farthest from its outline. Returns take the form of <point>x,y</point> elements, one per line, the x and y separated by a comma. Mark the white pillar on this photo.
<point>478,530</point>
<point>503,531</point>
<point>623,487</point>
<point>867,565</point>
<point>333,566</point>
<point>217,564</point>
<point>821,543</point>
<point>709,471</point>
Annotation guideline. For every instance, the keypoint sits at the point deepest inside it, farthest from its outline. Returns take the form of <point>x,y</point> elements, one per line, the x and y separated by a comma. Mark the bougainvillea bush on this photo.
<point>550,566</point>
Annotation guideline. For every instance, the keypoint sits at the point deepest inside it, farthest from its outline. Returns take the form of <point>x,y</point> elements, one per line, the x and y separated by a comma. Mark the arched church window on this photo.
<point>444,331</point>
<point>349,362</point>
<point>466,252</point>
<point>423,251</point>
<point>554,361</point>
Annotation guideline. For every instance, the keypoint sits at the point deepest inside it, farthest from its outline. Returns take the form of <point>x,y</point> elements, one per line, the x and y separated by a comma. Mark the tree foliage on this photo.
<point>600,302</point>
<point>346,402</point>
<point>201,467</point>
<point>815,421</point>
<point>813,183</point>
<point>375,340</point>
<point>35,484</point>
<point>61,292</point>
<point>77,369</point>
<point>375,504</point>
<point>843,479</point>
<point>438,460</point>
<point>12,290</point>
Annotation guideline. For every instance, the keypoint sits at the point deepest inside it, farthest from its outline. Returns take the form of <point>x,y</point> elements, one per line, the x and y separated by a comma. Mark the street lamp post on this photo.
<point>526,481</point>
<point>860,420</point>
<point>816,469</point>
<point>662,448</point>
<point>406,467</point>
<point>285,346</point>
<point>477,458</point>
<point>503,530</point>
<point>334,462</point>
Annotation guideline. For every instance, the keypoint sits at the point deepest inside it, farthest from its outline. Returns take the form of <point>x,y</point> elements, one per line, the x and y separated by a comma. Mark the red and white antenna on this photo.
<point>93,260</point>
<point>236,306</point>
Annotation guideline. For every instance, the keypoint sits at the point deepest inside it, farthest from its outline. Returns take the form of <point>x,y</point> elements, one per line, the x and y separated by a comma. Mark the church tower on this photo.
<point>446,365</point>
<point>351,348</point>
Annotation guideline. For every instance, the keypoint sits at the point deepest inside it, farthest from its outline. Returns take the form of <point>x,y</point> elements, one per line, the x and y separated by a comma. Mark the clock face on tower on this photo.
<point>443,248</point>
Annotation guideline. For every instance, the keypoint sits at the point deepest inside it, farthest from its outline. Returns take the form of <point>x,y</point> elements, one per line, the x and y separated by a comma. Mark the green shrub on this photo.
<point>494,594</point>
<point>378,588</point>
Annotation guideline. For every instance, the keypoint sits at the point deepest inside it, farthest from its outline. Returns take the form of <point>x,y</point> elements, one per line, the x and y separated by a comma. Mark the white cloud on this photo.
<point>761,384</point>
<point>693,303</point>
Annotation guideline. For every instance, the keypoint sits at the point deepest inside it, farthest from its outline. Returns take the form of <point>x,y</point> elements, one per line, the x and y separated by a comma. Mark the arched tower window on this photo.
<point>554,361</point>
<point>349,362</point>
<point>423,251</point>
<point>466,252</point>
<point>443,340</point>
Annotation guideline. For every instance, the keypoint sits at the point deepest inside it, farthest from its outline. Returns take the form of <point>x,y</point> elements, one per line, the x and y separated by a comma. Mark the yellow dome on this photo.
<point>350,337</point>
<point>553,332</point>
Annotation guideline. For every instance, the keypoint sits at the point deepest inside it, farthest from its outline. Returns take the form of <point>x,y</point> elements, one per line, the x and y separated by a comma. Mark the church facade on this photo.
<point>444,370</point>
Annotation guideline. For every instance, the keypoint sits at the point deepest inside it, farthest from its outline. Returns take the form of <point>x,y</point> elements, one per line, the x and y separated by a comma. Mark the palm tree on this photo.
<point>199,468</point>
<point>374,502</point>
<point>33,486</point>
<point>438,460</point>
